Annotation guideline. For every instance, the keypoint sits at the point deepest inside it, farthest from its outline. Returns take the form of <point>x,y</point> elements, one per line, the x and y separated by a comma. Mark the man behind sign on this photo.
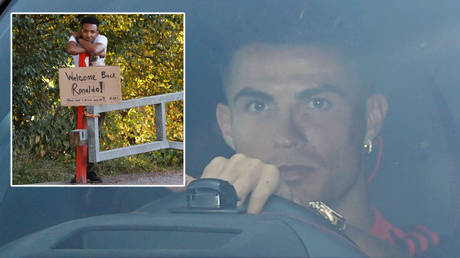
<point>93,46</point>
<point>88,41</point>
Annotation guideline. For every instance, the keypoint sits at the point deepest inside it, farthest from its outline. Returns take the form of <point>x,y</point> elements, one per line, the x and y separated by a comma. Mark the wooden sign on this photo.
<point>89,86</point>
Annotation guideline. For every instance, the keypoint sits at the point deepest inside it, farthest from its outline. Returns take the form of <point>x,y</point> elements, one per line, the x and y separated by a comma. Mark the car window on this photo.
<point>410,52</point>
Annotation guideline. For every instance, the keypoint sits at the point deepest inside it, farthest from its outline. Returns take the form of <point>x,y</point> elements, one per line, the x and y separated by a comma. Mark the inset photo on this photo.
<point>97,99</point>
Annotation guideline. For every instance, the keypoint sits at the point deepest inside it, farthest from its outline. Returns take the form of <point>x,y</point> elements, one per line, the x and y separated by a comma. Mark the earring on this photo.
<point>368,146</point>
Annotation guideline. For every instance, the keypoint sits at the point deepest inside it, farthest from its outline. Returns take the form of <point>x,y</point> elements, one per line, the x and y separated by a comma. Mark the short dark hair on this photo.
<point>346,58</point>
<point>90,20</point>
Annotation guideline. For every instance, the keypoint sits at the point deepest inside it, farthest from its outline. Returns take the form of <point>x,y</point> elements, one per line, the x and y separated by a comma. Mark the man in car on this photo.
<point>301,120</point>
<point>93,45</point>
<point>88,41</point>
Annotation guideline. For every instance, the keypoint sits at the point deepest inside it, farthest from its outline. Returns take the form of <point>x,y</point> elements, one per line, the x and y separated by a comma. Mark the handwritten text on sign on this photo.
<point>88,86</point>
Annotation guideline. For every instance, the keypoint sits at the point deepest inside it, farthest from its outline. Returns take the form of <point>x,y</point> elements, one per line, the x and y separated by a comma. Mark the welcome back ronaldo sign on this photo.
<point>89,86</point>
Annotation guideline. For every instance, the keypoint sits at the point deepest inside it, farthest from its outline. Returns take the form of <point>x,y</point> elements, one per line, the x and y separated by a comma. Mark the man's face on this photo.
<point>89,32</point>
<point>296,108</point>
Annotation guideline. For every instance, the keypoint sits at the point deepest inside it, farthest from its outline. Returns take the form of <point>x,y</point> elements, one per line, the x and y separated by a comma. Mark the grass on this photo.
<point>28,170</point>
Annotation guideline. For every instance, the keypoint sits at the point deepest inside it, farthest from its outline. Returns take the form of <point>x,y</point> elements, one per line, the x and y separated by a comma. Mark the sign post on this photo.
<point>82,86</point>
<point>82,151</point>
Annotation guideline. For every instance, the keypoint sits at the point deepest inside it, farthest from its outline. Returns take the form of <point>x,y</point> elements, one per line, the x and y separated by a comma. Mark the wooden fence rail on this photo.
<point>161,141</point>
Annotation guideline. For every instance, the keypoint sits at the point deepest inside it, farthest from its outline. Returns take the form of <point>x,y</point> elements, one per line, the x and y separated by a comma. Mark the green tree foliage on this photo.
<point>147,47</point>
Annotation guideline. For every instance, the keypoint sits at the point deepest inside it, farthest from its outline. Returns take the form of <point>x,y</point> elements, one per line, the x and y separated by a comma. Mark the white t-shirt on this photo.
<point>93,60</point>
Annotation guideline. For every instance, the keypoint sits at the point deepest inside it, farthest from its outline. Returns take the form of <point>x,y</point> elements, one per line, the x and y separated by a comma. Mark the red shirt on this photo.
<point>416,240</point>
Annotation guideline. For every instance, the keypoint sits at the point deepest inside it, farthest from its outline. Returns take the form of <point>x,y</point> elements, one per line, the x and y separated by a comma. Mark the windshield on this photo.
<point>244,95</point>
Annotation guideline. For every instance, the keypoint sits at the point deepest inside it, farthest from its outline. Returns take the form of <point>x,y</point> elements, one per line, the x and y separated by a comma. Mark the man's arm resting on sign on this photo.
<point>93,49</point>
<point>74,49</point>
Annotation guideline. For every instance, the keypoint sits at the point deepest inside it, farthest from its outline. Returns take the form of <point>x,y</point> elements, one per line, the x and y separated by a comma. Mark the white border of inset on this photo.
<point>11,100</point>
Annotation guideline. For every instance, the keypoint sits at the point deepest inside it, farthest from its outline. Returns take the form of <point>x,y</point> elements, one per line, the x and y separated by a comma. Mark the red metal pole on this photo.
<point>82,151</point>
